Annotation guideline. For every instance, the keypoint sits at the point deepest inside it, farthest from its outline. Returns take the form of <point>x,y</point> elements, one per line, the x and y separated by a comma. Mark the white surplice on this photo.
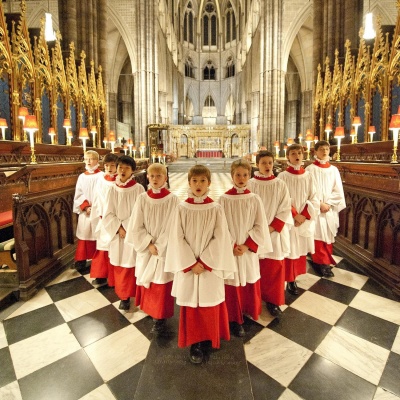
<point>84,191</point>
<point>246,218</point>
<point>277,204</point>
<point>302,192</point>
<point>120,203</point>
<point>99,208</point>
<point>329,191</point>
<point>199,231</point>
<point>150,223</point>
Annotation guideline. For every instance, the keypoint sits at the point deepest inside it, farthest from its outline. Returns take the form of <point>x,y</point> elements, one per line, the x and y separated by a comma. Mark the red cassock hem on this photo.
<point>100,264</point>
<point>125,282</point>
<point>295,267</point>
<point>203,323</point>
<point>323,253</point>
<point>241,300</point>
<point>272,281</point>
<point>156,300</point>
<point>85,250</point>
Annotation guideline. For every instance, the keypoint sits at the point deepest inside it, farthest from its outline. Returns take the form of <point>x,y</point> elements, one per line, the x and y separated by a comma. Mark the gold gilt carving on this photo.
<point>31,72</point>
<point>362,84</point>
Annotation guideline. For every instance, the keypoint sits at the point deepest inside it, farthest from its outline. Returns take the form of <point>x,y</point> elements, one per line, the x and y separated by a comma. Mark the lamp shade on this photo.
<point>111,136</point>
<point>276,144</point>
<point>93,129</point>
<point>83,133</point>
<point>30,123</point>
<point>356,121</point>
<point>371,129</point>
<point>3,123</point>
<point>352,132</point>
<point>339,132</point>
<point>316,138</point>
<point>52,131</point>
<point>290,141</point>
<point>395,122</point>
<point>328,128</point>
<point>134,148</point>
<point>67,123</point>
<point>309,136</point>
<point>22,112</point>
<point>130,142</point>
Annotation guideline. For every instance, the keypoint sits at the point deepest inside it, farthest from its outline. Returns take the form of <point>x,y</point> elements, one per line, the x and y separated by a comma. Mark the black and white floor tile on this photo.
<point>338,339</point>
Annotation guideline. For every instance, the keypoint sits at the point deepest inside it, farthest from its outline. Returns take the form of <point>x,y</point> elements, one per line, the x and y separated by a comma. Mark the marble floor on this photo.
<point>338,339</point>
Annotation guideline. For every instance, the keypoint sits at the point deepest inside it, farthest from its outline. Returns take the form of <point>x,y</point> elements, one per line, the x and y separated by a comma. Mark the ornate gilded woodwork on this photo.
<point>362,84</point>
<point>33,73</point>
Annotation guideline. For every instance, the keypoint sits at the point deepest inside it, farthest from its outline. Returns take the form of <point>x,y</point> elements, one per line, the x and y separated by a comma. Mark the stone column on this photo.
<point>67,18</point>
<point>272,95</point>
<point>144,73</point>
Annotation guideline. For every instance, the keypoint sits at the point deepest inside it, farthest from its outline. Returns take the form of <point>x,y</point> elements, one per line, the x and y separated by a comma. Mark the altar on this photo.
<point>209,153</point>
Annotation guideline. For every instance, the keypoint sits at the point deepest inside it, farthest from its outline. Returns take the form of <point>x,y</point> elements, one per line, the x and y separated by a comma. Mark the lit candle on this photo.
<point>52,133</point>
<point>339,135</point>
<point>3,127</point>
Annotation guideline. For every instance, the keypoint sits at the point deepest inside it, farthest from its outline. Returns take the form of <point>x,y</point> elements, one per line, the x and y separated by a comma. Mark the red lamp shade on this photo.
<point>134,148</point>
<point>309,136</point>
<point>371,129</point>
<point>352,132</point>
<point>83,133</point>
<point>130,142</point>
<point>276,144</point>
<point>395,122</point>
<point>22,112</point>
<point>30,123</point>
<point>111,136</point>
<point>290,141</point>
<point>67,123</point>
<point>52,131</point>
<point>356,121</point>
<point>3,123</point>
<point>328,128</point>
<point>93,129</point>
<point>339,132</point>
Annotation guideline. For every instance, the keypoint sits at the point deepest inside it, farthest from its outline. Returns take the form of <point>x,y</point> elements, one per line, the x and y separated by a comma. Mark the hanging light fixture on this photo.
<point>369,31</point>
<point>49,34</point>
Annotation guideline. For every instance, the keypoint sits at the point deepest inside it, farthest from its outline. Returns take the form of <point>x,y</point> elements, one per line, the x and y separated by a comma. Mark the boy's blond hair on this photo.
<point>240,163</point>
<point>92,153</point>
<point>199,170</point>
<point>157,167</point>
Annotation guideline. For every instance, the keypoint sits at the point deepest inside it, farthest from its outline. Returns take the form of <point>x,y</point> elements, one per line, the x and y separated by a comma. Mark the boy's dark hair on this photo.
<point>294,146</point>
<point>110,157</point>
<point>199,170</point>
<point>264,153</point>
<point>127,160</point>
<point>321,143</point>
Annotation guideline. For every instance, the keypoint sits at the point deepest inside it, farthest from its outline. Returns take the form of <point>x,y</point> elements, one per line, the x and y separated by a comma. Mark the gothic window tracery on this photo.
<point>209,71</point>
<point>230,24</point>
<point>188,24</point>
<point>230,67</point>
<point>209,25</point>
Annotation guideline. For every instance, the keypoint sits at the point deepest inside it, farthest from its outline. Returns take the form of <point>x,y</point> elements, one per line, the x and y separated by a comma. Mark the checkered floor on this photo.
<point>338,339</point>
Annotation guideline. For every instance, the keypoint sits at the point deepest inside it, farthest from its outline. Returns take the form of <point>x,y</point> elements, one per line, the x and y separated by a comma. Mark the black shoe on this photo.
<point>292,288</point>
<point>318,268</point>
<point>99,281</point>
<point>79,265</point>
<point>327,271</point>
<point>158,327</point>
<point>196,353</point>
<point>274,310</point>
<point>237,329</point>
<point>125,304</point>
